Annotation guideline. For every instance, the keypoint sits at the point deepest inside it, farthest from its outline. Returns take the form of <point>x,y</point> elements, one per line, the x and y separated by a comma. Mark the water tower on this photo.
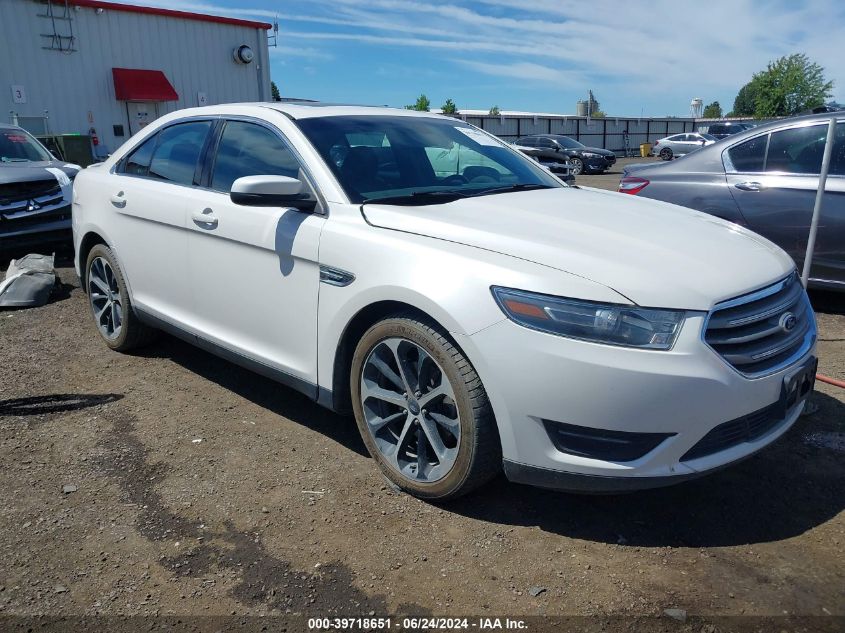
<point>696,107</point>
<point>581,108</point>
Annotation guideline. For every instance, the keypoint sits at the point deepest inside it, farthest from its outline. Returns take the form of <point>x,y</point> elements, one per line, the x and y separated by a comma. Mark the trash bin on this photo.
<point>645,149</point>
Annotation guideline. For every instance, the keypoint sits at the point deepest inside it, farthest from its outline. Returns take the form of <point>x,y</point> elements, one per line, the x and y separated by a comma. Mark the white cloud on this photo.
<point>668,49</point>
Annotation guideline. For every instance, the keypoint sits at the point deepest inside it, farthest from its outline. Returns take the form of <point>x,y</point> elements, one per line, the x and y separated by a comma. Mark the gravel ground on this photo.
<point>170,482</point>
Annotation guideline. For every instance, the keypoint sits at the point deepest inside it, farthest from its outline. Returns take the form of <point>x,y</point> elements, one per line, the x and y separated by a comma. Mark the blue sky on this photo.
<point>537,55</point>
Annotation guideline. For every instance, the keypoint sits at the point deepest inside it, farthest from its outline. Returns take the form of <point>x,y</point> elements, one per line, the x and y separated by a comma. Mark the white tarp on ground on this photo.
<point>28,282</point>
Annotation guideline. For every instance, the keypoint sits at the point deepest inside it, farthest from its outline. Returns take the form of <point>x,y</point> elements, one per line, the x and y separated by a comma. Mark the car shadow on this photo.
<point>785,490</point>
<point>259,390</point>
<point>789,488</point>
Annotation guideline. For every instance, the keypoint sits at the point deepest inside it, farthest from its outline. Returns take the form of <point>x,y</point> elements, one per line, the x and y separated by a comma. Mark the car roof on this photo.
<point>311,109</point>
<point>9,126</point>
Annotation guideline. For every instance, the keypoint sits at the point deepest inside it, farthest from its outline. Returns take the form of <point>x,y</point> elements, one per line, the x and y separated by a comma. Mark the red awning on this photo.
<point>131,84</point>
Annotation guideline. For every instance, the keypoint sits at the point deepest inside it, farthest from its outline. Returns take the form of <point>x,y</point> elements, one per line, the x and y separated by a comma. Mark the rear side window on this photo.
<point>798,150</point>
<point>138,163</point>
<point>247,149</point>
<point>527,142</point>
<point>177,153</point>
<point>750,155</point>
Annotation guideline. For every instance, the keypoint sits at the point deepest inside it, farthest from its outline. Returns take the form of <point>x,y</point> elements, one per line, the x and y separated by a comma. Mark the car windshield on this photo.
<point>419,160</point>
<point>17,146</point>
<point>568,143</point>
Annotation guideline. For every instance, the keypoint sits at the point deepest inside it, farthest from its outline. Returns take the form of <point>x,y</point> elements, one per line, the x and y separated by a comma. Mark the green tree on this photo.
<point>494,111</point>
<point>746,101</point>
<point>598,114</point>
<point>274,91</point>
<point>449,107</point>
<point>422,105</point>
<point>713,111</point>
<point>789,85</point>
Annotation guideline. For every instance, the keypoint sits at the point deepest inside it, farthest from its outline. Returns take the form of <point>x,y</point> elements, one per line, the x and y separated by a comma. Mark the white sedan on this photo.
<point>681,144</point>
<point>471,310</point>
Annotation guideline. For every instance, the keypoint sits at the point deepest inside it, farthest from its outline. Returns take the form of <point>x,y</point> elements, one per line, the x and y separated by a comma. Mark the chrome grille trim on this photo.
<point>746,331</point>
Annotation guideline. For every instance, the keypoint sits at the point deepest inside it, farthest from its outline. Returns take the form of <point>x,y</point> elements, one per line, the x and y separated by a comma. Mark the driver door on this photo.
<point>254,270</point>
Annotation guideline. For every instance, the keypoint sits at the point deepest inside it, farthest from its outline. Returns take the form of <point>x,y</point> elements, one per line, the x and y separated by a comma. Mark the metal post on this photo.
<point>817,208</point>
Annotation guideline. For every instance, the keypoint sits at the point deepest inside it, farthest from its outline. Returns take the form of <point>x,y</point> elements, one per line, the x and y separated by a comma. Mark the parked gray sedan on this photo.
<point>766,179</point>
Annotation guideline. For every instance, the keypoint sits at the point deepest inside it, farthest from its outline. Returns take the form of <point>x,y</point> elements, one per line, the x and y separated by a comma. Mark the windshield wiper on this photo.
<point>518,187</point>
<point>418,198</point>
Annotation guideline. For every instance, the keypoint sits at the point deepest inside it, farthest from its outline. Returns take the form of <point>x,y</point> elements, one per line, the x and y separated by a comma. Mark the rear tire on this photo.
<point>439,442</point>
<point>110,305</point>
<point>666,153</point>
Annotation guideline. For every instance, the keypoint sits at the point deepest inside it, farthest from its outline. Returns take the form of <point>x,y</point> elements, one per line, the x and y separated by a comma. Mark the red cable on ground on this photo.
<point>831,381</point>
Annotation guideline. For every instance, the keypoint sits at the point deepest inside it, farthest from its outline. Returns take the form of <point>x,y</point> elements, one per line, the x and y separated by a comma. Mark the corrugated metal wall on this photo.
<point>605,133</point>
<point>195,56</point>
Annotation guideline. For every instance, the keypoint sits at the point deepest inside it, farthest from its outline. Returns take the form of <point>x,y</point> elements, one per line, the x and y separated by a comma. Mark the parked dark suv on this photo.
<point>551,148</point>
<point>721,130</point>
<point>35,191</point>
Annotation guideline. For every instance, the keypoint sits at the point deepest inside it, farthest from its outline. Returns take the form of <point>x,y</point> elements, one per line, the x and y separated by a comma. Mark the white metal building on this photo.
<point>108,69</point>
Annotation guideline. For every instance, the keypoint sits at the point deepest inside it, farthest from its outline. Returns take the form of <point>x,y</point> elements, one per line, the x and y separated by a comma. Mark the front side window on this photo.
<point>569,143</point>
<point>177,152</point>
<point>18,146</point>
<point>138,162</point>
<point>797,150</point>
<point>247,149</point>
<point>749,156</point>
<point>410,155</point>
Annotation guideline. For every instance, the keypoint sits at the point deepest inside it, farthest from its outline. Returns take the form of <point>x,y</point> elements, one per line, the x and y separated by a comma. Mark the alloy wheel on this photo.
<point>104,295</point>
<point>410,410</point>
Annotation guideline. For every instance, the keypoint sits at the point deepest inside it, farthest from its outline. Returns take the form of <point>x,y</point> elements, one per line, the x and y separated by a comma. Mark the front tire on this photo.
<point>577,166</point>
<point>111,308</point>
<point>422,411</point>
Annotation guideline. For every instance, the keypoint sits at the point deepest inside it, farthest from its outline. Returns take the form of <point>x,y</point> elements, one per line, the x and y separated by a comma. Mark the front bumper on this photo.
<point>43,225</point>
<point>599,163</point>
<point>533,378</point>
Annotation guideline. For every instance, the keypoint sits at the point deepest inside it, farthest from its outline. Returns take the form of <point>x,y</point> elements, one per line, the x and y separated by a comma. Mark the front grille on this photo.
<point>22,191</point>
<point>10,225</point>
<point>764,331</point>
<point>745,429</point>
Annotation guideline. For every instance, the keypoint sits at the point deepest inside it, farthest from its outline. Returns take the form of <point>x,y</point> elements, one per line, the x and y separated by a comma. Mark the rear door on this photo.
<point>253,270</point>
<point>148,193</point>
<point>774,178</point>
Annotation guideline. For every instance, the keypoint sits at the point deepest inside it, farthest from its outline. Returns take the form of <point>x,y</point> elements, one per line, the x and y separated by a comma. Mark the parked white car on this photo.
<point>680,144</point>
<point>471,310</point>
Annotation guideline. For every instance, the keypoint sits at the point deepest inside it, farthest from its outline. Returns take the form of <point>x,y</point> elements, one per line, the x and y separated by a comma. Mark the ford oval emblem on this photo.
<point>787,322</point>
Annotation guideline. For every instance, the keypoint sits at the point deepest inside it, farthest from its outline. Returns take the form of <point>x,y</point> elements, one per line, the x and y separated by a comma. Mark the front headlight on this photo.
<point>608,323</point>
<point>590,155</point>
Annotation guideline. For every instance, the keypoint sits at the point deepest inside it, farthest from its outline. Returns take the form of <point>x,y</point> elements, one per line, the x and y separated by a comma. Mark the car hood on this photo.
<point>35,170</point>
<point>654,253</point>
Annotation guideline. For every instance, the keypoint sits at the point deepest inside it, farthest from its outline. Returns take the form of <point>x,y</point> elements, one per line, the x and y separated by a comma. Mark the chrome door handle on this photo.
<point>118,200</point>
<point>749,186</point>
<point>206,218</point>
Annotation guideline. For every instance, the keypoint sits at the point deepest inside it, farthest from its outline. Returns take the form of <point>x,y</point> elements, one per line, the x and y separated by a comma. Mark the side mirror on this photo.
<point>271,191</point>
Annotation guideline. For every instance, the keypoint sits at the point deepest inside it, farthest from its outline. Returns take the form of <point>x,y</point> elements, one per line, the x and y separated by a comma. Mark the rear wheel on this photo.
<point>422,410</point>
<point>111,308</point>
<point>666,153</point>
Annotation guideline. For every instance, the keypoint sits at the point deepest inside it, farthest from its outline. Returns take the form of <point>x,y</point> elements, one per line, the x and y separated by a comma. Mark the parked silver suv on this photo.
<point>35,191</point>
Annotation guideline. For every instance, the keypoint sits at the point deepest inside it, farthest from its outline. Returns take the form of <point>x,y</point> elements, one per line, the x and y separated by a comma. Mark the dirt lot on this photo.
<point>173,483</point>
